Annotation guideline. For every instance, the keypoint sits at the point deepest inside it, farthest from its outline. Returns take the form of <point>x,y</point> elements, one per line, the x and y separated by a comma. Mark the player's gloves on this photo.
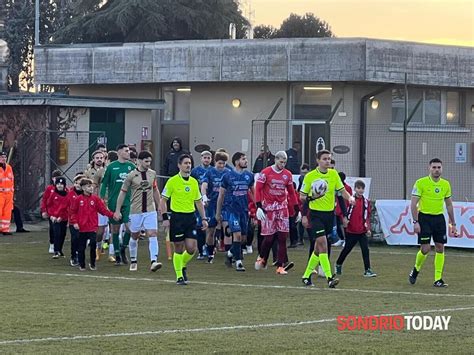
<point>261,216</point>
<point>298,217</point>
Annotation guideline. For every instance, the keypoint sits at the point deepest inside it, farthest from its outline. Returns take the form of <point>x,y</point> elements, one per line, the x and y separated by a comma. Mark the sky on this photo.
<point>430,21</point>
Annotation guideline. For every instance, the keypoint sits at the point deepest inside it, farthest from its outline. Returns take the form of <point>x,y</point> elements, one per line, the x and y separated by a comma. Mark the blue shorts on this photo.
<point>211,213</point>
<point>238,222</point>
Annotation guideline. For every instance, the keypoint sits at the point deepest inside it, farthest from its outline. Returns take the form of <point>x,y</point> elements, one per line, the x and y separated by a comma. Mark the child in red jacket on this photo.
<point>358,229</point>
<point>57,210</point>
<point>73,193</point>
<point>84,218</point>
<point>46,194</point>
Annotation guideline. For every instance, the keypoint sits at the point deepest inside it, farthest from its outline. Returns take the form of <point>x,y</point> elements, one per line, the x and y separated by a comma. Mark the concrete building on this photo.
<point>345,94</point>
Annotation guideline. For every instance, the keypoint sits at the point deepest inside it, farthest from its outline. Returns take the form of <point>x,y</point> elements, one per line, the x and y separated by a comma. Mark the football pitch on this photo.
<point>50,307</point>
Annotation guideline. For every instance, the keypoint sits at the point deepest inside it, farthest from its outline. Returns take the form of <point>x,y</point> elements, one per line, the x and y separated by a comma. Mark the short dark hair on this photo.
<point>304,166</point>
<point>237,156</point>
<point>322,152</point>
<point>359,183</point>
<point>333,162</point>
<point>85,182</point>
<point>144,154</point>
<point>342,176</point>
<point>221,156</point>
<point>121,146</point>
<point>184,156</point>
<point>112,155</point>
<point>133,155</point>
<point>436,160</point>
<point>99,146</point>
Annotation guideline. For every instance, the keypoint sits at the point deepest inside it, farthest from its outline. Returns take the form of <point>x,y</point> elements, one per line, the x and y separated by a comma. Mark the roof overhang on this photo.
<point>80,101</point>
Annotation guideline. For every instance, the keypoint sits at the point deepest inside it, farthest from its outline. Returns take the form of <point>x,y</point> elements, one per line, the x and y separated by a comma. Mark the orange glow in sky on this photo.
<point>429,21</point>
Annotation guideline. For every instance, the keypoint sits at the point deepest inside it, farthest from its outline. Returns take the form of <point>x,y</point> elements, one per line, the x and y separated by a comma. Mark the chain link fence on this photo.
<point>392,175</point>
<point>41,152</point>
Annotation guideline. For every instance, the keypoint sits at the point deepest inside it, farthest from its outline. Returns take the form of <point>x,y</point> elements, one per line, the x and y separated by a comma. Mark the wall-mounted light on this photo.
<point>236,103</point>
<point>321,88</point>
<point>374,104</point>
<point>449,116</point>
<point>472,108</point>
<point>183,89</point>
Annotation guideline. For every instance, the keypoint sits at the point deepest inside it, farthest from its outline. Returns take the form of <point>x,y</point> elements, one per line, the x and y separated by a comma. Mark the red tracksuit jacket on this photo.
<point>72,195</point>
<point>359,216</point>
<point>46,194</point>
<point>84,212</point>
<point>57,205</point>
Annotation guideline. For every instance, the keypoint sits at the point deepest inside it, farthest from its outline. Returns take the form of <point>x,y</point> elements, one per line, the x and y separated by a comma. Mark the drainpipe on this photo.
<point>363,126</point>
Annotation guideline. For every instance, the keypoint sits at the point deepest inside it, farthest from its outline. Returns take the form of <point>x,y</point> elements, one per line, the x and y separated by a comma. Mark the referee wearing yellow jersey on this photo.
<point>429,195</point>
<point>321,208</point>
<point>183,190</point>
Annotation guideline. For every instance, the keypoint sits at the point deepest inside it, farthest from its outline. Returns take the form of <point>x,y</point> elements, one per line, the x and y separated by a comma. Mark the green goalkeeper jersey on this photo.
<point>114,177</point>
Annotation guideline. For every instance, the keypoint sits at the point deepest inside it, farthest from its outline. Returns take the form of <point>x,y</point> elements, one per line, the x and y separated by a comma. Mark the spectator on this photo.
<point>170,167</point>
<point>259,162</point>
<point>303,171</point>
<point>18,220</point>
<point>293,163</point>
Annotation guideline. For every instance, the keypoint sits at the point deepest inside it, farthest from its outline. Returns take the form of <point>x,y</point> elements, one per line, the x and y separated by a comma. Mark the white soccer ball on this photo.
<point>319,187</point>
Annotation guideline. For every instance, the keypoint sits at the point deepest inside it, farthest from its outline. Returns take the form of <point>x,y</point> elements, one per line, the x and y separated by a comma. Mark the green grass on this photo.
<point>51,299</point>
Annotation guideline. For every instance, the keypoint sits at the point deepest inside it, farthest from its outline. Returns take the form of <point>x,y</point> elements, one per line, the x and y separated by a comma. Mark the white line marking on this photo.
<point>457,255</point>
<point>210,283</point>
<point>214,329</point>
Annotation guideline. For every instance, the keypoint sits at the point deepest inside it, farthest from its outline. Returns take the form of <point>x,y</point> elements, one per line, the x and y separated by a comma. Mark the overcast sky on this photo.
<point>430,21</point>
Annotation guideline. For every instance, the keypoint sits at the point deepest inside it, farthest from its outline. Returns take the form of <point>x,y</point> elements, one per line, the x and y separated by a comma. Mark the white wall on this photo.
<point>214,121</point>
<point>135,120</point>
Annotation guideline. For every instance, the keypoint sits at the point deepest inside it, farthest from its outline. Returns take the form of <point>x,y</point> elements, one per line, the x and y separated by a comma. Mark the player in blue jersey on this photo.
<point>210,187</point>
<point>199,172</point>
<point>235,186</point>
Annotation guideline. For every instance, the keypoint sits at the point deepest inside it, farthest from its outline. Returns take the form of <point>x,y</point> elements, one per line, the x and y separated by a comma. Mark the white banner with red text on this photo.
<point>397,223</point>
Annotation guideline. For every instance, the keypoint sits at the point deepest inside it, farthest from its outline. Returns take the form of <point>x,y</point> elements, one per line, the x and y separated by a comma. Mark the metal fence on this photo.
<point>393,174</point>
<point>40,152</point>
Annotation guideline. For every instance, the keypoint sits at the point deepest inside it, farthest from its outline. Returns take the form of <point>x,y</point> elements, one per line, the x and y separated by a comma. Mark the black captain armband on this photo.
<point>165,216</point>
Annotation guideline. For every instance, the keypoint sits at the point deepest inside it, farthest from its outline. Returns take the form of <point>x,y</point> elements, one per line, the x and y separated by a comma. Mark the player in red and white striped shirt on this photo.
<point>274,191</point>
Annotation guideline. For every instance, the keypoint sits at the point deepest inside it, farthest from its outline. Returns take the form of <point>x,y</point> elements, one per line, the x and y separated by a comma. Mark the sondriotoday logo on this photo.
<point>392,322</point>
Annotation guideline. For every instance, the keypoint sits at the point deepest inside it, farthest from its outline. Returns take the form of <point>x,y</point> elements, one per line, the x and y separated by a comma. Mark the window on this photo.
<point>438,107</point>
<point>311,101</point>
<point>177,103</point>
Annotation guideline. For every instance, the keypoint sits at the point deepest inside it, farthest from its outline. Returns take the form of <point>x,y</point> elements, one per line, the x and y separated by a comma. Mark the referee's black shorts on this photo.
<point>432,226</point>
<point>182,226</point>
<point>322,223</point>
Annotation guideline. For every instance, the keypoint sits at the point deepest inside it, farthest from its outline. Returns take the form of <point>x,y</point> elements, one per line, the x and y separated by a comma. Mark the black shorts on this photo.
<point>432,226</point>
<point>322,223</point>
<point>182,226</point>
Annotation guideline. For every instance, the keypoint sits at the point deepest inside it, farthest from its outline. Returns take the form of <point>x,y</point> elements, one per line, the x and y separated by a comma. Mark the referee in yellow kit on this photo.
<point>183,190</point>
<point>429,195</point>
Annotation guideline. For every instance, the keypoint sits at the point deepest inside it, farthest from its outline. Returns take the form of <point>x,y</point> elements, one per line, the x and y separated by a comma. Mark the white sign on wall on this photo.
<point>461,153</point>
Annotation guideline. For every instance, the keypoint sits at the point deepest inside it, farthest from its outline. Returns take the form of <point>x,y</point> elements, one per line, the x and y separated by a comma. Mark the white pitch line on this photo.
<point>451,255</point>
<point>211,283</point>
<point>214,329</point>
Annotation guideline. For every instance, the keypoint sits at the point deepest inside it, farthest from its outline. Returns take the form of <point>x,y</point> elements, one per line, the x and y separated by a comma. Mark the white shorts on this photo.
<point>103,220</point>
<point>146,220</point>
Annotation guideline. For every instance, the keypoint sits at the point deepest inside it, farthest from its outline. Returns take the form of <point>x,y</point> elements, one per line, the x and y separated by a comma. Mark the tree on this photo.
<point>307,25</point>
<point>150,20</point>
<point>18,32</point>
<point>264,31</point>
<point>296,26</point>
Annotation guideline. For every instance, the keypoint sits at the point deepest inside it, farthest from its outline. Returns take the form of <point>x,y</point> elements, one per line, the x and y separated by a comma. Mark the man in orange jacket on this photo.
<point>6,194</point>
